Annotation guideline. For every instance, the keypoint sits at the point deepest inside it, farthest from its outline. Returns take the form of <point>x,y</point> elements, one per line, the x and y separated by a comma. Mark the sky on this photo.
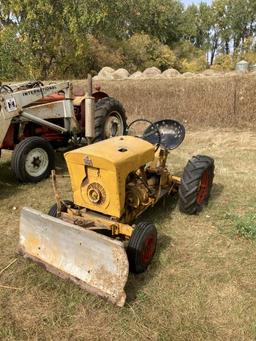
<point>189,2</point>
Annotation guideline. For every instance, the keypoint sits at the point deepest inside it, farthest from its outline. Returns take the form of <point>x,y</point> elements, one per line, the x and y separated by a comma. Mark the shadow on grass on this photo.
<point>158,214</point>
<point>8,183</point>
<point>217,189</point>
<point>60,163</point>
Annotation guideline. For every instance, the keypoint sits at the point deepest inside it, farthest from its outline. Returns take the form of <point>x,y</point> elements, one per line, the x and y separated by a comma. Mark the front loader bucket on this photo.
<point>95,262</point>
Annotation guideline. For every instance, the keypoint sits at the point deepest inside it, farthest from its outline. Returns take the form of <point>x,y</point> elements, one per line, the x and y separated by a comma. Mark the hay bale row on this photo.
<point>108,73</point>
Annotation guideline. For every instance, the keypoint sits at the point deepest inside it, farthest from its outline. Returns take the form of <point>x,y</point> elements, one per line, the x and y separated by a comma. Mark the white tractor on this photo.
<point>37,119</point>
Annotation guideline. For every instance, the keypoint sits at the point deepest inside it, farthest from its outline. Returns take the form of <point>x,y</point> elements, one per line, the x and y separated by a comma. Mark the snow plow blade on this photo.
<point>95,262</point>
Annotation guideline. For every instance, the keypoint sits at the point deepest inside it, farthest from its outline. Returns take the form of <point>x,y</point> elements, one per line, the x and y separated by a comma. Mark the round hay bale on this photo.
<point>199,75</point>
<point>209,73</point>
<point>96,78</point>
<point>231,73</point>
<point>188,74</point>
<point>169,73</point>
<point>120,74</point>
<point>107,77</point>
<point>106,72</point>
<point>151,72</point>
<point>136,75</point>
<point>159,76</point>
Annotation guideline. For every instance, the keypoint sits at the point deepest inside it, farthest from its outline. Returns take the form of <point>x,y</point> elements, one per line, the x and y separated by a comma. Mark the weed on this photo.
<point>246,226</point>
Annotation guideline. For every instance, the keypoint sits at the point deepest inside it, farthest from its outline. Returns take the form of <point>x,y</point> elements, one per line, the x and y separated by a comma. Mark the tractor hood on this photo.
<point>113,153</point>
<point>99,171</point>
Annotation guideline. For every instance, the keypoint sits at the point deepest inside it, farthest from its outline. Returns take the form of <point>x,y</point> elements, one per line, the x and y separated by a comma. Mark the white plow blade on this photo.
<point>95,262</point>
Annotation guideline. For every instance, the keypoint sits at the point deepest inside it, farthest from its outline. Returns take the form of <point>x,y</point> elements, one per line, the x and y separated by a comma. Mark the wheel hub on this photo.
<point>113,125</point>
<point>148,249</point>
<point>203,188</point>
<point>37,161</point>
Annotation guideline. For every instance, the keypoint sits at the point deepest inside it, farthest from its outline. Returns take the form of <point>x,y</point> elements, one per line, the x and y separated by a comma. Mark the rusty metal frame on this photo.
<point>93,221</point>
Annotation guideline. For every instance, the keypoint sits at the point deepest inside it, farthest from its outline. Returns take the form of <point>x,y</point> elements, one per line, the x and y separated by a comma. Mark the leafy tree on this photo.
<point>68,38</point>
<point>159,18</point>
<point>193,65</point>
<point>14,58</point>
<point>104,51</point>
<point>223,62</point>
<point>145,51</point>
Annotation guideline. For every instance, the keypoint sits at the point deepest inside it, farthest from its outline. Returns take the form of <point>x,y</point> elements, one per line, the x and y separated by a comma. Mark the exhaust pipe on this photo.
<point>89,112</point>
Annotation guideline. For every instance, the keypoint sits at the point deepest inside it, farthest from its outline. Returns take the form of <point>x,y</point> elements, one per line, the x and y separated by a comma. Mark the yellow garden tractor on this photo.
<point>96,239</point>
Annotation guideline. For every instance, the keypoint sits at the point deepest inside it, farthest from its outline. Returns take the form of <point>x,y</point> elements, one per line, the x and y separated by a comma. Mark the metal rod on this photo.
<point>89,112</point>
<point>56,192</point>
<point>89,80</point>
<point>43,122</point>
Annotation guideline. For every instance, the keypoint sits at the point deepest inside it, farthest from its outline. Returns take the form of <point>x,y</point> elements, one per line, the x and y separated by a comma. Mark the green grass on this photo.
<point>200,285</point>
<point>246,226</point>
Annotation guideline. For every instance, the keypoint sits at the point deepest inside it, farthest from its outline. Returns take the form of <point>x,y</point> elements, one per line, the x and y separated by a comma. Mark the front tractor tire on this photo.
<point>32,159</point>
<point>141,247</point>
<point>110,119</point>
<point>196,184</point>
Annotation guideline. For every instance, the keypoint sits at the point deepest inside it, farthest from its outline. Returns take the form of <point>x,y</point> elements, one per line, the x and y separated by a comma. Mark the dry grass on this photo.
<point>199,102</point>
<point>200,286</point>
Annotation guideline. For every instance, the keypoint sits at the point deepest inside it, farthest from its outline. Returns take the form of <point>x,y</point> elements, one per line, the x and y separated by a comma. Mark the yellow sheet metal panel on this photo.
<point>99,171</point>
<point>112,152</point>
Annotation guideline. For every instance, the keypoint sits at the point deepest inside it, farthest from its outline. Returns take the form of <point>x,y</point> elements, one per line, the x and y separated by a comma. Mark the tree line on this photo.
<point>68,38</point>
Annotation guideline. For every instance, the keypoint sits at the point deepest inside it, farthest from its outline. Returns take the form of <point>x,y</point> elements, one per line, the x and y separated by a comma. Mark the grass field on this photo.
<point>199,101</point>
<point>200,286</point>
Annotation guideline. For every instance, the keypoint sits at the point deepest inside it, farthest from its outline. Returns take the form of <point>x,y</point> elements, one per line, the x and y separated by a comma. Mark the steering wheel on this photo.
<point>147,134</point>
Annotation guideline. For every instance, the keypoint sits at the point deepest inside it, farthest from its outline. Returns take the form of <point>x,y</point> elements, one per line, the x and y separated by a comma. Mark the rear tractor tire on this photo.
<point>33,159</point>
<point>141,247</point>
<point>196,184</point>
<point>110,119</point>
<point>53,211</point>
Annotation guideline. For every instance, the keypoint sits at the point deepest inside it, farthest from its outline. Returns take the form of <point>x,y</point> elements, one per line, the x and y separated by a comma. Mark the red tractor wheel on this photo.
<point>196,184</point>
<point>142,247</point>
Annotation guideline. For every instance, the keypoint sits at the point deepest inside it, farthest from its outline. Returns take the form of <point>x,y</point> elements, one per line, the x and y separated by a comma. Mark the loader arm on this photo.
<point>17,103</point>
<point>26,97</point>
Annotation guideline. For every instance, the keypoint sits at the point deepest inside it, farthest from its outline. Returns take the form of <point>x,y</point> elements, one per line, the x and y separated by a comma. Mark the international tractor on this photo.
<point>95,239</point>
<point>37,119</point>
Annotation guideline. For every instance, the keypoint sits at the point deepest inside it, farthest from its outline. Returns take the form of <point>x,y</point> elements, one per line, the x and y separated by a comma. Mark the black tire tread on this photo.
<point>190,183</point>
<point>135,241</point>
<point>103,107</point>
